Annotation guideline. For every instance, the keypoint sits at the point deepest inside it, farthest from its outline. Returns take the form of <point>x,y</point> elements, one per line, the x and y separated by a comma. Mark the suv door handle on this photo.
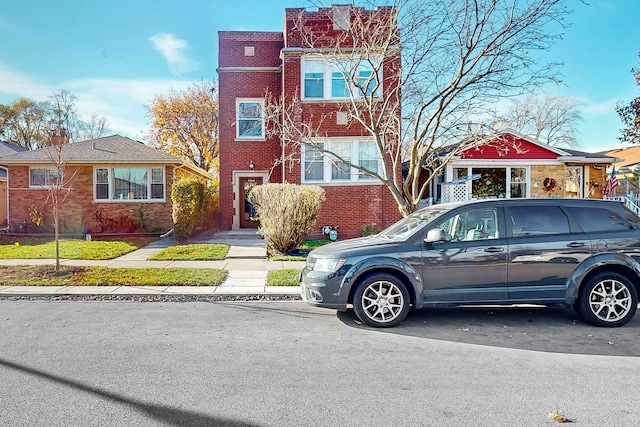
<point>494,249</point>
<point>575,245</point>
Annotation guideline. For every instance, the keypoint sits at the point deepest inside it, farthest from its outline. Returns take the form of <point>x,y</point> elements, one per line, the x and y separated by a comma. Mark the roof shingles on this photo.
<point>109,149</point>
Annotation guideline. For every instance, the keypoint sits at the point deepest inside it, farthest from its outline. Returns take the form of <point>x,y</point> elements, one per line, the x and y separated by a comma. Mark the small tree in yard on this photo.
<point>287,213</point>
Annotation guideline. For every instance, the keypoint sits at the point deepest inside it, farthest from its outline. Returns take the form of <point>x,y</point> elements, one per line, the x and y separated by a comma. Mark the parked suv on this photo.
<point>579,252</point>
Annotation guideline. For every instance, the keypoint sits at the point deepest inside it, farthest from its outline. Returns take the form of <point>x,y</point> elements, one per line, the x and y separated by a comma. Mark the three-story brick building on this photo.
<point>287,101</point>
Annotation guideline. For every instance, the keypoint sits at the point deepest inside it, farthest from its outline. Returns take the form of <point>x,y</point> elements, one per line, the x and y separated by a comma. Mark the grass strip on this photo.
<point>69,249</point>
<point>46,275</point>
<point>193,252</point>
<point>287,277</point>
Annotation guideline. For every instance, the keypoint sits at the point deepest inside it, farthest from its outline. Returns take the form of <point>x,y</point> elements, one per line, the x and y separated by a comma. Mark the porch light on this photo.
<point>251,165</point>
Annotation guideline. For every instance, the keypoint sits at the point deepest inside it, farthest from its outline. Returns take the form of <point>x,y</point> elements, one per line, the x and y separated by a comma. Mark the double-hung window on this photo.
<point>331,161</point>
<point>250,119</point>
<point>339,78</point>
<point>44,177</point>
<point>129,183</point>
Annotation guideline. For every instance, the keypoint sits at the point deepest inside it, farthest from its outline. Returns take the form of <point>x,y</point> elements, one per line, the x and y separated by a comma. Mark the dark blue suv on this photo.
<point>583,253</point>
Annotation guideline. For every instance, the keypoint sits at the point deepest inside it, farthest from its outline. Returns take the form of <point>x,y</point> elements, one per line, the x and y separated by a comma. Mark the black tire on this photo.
<point>607,299</point>
<point>381,301</point>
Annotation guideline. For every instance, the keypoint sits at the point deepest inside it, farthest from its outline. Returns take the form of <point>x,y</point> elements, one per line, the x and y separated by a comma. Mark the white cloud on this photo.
<point>173,49</point>
<point>15,85</point>
<point>601,108</point>
<point>121,102</point>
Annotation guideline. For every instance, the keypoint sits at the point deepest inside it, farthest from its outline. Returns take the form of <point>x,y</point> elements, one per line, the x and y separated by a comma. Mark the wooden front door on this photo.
<point>247,210</point>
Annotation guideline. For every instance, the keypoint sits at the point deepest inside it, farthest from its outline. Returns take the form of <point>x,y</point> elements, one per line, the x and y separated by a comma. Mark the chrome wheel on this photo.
<point>608,299</point>
<point>382,301</point>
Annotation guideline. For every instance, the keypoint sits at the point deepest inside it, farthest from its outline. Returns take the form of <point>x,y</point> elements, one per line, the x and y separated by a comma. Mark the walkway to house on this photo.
<point>246,264</point>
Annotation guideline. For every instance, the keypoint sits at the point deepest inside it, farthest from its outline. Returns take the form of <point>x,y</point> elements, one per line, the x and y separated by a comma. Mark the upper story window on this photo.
<point>44,177</point>
<point>324,167</point>
<point>250,119</point>
<point>129,183</point>
<point>341,78</point>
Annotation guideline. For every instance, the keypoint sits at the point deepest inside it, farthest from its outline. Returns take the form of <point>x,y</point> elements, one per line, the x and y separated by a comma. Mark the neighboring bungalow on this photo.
<point>511,165</point>
<point>627,167</point>
<point>6,149</point>
<point>115,184</point>
<point>254,63</point>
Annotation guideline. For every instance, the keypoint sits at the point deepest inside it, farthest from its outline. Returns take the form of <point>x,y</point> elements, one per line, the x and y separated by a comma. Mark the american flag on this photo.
<point>612,183</point>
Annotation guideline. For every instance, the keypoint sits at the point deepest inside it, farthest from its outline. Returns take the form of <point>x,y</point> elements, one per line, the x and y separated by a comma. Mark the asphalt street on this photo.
<point>267,363</point>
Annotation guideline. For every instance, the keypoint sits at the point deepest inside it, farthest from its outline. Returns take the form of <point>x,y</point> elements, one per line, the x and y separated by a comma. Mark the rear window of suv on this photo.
<point>598,219</point>
<point>537,221</point>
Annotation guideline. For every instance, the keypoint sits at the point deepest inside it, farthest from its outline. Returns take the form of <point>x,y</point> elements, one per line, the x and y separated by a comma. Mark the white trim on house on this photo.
<point>237,174</point>
<point>111,190</point>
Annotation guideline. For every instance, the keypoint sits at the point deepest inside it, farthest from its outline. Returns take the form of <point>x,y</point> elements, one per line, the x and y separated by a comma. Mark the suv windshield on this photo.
<point>408,226</point>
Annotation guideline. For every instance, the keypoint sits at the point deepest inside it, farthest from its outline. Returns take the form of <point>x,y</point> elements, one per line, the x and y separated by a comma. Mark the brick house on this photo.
<point>513,165</point>
<point>112,180</point>
<point>257,66</point>
<point>6,149</point>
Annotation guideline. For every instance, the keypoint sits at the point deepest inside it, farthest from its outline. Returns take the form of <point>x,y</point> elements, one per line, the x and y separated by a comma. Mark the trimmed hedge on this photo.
<point>194,206</point>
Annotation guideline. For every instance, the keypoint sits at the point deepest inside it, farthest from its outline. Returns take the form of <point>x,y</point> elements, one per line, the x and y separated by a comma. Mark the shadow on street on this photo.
<point>550,329</point>
<point>165,414</point>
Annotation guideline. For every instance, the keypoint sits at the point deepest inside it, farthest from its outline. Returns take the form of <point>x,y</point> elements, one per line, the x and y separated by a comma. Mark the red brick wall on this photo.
<point>353,207</point>
<point>77,212</point>
<point>236,155</point>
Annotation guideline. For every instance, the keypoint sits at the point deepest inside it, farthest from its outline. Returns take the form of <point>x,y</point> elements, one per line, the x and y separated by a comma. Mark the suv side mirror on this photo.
<point>435,235</point>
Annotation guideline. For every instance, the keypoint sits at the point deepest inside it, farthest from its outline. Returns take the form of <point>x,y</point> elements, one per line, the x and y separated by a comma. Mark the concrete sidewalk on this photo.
<point>246,263</point>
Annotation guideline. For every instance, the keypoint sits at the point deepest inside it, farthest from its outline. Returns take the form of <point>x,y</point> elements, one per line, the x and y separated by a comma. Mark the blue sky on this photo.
<point>115,56</point>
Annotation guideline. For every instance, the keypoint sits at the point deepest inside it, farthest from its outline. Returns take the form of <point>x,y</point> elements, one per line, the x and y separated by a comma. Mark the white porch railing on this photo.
<point>632,201</point>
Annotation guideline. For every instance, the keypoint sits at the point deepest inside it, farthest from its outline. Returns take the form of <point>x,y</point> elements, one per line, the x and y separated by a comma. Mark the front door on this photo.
<point>248,212</point>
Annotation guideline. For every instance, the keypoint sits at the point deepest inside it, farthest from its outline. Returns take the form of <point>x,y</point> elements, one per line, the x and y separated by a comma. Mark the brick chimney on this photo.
<point>58,137</point>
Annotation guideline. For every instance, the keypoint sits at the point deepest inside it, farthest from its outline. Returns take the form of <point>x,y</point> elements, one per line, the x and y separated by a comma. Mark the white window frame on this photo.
<point>238,118</point>
<point>508,168</point>
<point>111,184</point>
<point>355,175</point>
<point>47,176</point>
<point>328,68</point>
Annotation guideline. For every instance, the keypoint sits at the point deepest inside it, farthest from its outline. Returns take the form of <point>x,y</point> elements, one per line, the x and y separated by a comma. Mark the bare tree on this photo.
<point>63,113</point>
<point>458,58</point>
<point>550,119</point>
<point>95,127</point>
<point>63,120</point>
<point>60,182</point>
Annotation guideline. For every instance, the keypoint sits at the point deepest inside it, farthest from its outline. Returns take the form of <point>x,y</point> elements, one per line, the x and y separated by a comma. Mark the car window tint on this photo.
<point>597,219</point>
<point>537,221</point>
<point>474,224</point>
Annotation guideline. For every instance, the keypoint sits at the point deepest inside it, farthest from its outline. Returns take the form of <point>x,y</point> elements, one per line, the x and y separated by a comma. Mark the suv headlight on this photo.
<point>328,265</point>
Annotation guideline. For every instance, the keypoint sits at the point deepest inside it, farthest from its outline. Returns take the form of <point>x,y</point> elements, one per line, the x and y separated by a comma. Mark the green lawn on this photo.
<point>30,248</point>
<point>193,252</point>
<point>283,277</point>
<point>45,275</point>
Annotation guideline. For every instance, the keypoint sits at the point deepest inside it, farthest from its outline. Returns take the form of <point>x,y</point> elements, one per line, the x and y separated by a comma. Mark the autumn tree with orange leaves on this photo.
<point>185,124</point>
